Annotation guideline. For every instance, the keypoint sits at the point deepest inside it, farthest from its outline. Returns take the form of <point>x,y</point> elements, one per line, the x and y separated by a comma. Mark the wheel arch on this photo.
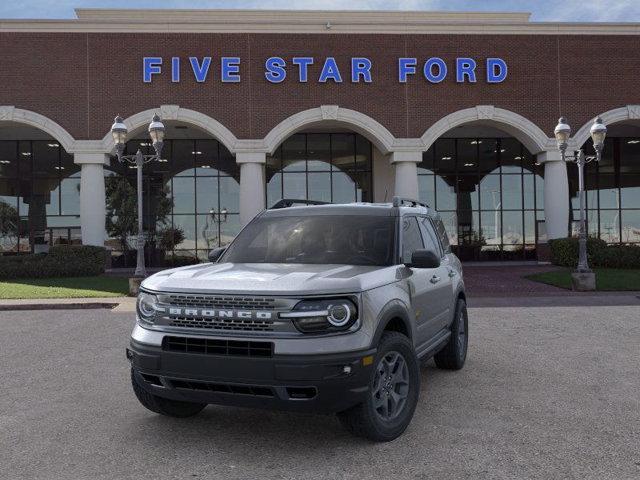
<point>396,318</point>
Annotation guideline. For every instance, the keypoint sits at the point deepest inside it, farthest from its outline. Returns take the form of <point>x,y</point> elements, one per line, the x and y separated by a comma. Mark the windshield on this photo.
<point>344,239</point>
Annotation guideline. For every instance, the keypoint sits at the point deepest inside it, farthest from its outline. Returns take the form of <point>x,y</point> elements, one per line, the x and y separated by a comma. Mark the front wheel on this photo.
<point>454,354</point>
<point>393,392</point>
<point>164,406</point>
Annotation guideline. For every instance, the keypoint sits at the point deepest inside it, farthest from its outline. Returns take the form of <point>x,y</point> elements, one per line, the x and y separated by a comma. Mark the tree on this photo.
<point>9,223</point>
<point>122,210</point>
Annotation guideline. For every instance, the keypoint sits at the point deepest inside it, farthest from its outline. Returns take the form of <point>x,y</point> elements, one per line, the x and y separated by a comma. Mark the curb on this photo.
<point>58,306</point>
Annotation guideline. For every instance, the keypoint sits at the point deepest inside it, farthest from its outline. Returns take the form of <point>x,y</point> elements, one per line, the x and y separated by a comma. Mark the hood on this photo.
<point>271,279</point>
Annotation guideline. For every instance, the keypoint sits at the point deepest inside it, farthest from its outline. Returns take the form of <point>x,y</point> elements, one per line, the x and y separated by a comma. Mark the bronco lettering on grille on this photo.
<point>209,313</point>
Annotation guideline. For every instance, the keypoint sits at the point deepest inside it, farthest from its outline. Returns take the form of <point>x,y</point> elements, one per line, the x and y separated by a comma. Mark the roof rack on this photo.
<point>402,201</point>
<point>290,202</point>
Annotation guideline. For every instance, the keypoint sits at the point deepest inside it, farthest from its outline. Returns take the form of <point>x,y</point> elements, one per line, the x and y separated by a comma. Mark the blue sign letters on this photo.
<point>434,69</point>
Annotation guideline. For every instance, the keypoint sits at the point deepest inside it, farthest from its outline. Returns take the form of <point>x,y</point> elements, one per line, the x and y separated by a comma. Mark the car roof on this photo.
<point>359,208</point>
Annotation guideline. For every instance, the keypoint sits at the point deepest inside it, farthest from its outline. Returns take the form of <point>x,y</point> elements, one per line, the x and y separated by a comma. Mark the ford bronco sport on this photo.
<point>315,308</point>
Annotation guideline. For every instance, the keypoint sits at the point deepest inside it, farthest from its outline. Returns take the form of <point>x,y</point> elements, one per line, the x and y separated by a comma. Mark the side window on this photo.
<point>430,239</point>
<point>411,238</point>
<point>442,234</point>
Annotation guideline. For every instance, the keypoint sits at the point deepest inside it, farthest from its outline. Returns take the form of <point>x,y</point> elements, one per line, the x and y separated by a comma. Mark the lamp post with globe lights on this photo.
<point>156,132</point>
<point>583,278</point>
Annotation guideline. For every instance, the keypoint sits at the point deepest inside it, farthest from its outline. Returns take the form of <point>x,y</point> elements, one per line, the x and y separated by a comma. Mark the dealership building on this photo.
<point>455,109</point>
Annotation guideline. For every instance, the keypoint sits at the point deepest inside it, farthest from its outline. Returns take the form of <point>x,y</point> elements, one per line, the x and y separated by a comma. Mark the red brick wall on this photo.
<point>82,80</point>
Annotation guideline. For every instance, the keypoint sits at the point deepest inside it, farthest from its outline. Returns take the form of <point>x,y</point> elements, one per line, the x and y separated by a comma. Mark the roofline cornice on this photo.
<point>311,22</point>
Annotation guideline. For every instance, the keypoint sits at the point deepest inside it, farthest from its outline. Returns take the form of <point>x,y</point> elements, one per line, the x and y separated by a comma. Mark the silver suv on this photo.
<point>314,308</point>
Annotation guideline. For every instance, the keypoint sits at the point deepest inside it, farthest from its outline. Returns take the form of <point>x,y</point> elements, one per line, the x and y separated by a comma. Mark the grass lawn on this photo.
<point>73,287</point>
<point>606,279</point>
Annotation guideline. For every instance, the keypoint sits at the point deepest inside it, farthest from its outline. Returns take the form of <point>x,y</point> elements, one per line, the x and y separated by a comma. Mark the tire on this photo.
<point>164,406</point>
<point>368,419</point>
<point>454,354</point>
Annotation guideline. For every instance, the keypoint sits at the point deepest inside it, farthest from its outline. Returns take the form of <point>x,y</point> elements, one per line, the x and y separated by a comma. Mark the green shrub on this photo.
<point>564,252</point>
<point>620,256</point>
<point>61,261</point>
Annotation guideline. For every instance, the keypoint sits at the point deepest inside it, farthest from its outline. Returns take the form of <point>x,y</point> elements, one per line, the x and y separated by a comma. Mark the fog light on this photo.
<point>368,360</point>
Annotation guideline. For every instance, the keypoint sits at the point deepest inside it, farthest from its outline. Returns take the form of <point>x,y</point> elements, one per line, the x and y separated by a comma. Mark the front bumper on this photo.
<point>307,383</point>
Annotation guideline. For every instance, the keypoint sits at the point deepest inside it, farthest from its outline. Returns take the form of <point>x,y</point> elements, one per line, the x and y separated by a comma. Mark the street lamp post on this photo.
<point>156,132</point>
<point>583,278</point>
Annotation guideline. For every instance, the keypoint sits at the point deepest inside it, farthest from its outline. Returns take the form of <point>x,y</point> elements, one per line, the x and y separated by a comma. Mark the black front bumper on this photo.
<point>305,383</point>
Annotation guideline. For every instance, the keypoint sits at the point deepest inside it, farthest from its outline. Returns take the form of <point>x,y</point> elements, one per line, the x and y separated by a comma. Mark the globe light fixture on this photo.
<point>583,278</point>
<point>156,132</point>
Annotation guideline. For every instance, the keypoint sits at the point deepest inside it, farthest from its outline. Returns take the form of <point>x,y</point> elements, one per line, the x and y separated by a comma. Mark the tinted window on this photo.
<point>442,235</point>
<point>429,235</point>
<point>411,238</point>
<point>330,239</point>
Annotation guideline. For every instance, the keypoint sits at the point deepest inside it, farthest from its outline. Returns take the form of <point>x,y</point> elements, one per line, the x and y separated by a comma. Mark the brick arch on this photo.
<point>528,133</point>
<point>617,115</point>
<point>10,113</point>
<point>374,131</point>
<point>177,113</point>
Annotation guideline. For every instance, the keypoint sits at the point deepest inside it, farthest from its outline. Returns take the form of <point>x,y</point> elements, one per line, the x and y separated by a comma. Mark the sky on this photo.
<point>542,10</point>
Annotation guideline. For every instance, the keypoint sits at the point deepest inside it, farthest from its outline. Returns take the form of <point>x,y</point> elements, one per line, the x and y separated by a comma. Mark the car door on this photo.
<point>442,277</point>
<point>422,287</point>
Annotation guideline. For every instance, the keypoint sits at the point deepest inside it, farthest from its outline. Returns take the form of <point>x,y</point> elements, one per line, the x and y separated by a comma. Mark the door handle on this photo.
<point>435,279</point>
<point>452,273</point>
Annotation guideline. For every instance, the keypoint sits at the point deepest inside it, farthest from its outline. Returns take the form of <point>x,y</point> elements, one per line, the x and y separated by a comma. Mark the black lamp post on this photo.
<point>156,132</point>
<point>562,133</point>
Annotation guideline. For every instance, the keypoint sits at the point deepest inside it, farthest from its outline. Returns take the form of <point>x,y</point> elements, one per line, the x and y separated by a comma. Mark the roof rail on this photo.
<point>290,202</point>
<point>400,201</point>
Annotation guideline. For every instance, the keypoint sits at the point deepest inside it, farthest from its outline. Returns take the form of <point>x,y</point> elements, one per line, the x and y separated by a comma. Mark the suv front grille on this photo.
<point>221,323</point>
<point>255,390</point>
<point>217,301</point>
<point>208,346</point>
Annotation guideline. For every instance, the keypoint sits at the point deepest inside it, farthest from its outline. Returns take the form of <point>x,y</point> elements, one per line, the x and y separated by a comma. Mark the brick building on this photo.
<point>457,109</point>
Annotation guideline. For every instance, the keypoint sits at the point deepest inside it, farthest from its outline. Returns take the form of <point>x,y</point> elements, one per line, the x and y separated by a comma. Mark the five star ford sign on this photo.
<point>361,69</point>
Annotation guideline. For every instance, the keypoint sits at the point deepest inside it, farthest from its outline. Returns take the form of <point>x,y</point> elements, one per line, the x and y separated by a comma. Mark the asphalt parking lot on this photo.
<point>551,392</point>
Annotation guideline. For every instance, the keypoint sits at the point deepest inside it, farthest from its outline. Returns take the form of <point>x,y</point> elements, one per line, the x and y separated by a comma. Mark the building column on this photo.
<point>252,184</point>
<point>556,194</point>
<point>406,169</point>
<point>92,197</point>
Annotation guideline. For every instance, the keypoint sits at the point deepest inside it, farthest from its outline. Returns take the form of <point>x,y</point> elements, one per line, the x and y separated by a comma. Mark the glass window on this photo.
<point>318,153</point>
<point>426,189</point>
<point>445,194</point>
<point>630,226</point>
<point>411,238</point>
<point>329,167</point>
<point>442,234</point>
<point>345,239</point>
<point>207,194</point>
<point>629,155</point>
<point>429,236</point>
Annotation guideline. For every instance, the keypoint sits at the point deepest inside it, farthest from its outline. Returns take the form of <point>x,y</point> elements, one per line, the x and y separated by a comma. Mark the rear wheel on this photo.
<point>164,406</point>
<point>393,392</point>
<point>454,354</point>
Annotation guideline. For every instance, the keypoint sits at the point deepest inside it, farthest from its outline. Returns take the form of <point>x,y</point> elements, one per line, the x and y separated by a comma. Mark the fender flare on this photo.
<point>393,309</point>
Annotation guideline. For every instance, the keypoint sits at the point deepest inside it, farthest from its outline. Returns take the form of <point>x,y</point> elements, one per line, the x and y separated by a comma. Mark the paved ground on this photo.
<point>508,280</point>
<point>546,393</point>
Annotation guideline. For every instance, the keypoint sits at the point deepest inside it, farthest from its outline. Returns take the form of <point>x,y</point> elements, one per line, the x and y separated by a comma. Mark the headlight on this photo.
<point>146,306</point>
<point>320,316</point>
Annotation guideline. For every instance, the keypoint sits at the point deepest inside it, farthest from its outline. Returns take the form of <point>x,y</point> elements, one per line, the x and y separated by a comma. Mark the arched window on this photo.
<point>39,195</point>
<point>329,167</point>
<point>191,202</point>
<point>489,194</point>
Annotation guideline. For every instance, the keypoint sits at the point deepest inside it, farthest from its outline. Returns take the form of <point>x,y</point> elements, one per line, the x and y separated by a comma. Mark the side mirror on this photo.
<point>424,259</point>
<point>216,253</point>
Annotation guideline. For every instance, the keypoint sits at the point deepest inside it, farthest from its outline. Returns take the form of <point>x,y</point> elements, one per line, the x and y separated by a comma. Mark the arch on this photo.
<point>10,113</point>
<point>617,115</point>
<point>177,113</point>
<point>528,133</point>
<point>374,131</point>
